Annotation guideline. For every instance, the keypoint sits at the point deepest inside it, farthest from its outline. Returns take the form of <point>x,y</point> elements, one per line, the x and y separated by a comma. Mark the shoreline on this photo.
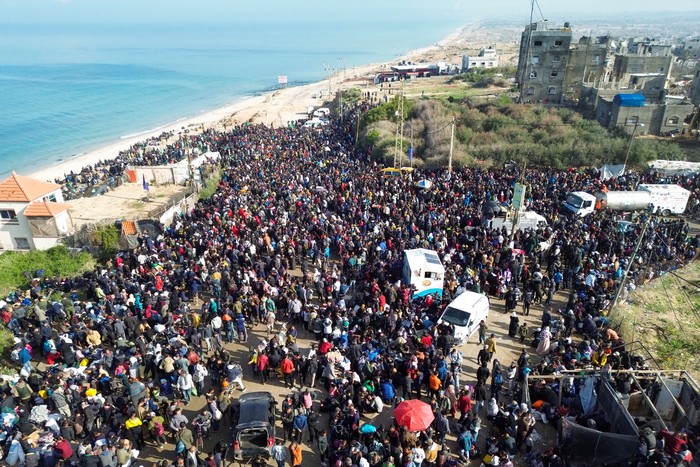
<point>275,107</point>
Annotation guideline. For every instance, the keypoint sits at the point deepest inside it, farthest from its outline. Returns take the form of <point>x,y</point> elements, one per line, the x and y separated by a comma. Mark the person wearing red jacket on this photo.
<point>62,448</point>
<point>264,366</point>
<point>287,367</point>
<point>464,404</point>
<point>673,441</point>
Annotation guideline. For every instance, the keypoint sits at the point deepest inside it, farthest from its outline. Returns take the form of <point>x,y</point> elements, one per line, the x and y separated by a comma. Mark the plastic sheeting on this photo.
<point>665,167</point>
<point>611,171</point>
<point>43,227</point>
<point>585,446</point>
<point>588,395</point>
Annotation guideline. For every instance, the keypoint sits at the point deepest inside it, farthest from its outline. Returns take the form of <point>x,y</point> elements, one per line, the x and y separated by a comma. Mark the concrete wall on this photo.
<point>184,205</point>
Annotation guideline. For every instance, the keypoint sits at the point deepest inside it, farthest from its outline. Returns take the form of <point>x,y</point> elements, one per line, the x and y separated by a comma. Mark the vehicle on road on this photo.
<point>254,420</point>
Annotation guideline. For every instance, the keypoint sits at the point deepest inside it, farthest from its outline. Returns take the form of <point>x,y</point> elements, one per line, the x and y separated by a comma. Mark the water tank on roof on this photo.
<point>629,100</point>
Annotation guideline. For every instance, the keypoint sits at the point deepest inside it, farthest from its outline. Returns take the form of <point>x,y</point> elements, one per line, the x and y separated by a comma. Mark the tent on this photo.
<point>611,171</point>
<point>665,167</point>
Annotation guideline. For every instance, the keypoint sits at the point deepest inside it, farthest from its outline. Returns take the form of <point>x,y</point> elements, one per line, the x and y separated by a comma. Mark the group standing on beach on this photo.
<point>125,347</point>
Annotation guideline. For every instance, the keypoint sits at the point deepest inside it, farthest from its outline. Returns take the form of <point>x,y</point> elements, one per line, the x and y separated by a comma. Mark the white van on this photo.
<point>322,112</point>
<point>314,123</point>
<point>466,312</point>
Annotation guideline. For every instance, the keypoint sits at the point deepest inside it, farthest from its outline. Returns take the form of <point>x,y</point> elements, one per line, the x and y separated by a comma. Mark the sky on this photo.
<point>132,11</point>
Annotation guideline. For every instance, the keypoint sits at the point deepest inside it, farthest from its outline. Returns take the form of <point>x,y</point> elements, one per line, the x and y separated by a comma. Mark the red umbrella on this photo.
<point>414,415</point>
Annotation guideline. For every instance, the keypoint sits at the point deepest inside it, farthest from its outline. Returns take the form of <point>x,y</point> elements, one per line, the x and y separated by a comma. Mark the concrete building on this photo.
<point>610,111</point>
<point>627,66</point>
<point>590,61</point>
<point>690,50</point>
<point>695,87</point>
<point>487,58</point>
<point>32,214</point>
<point>542,62</point>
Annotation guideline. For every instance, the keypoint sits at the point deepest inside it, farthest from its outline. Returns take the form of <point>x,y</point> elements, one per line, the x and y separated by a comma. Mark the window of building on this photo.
<point>533,74</point>
<point>556,59</point>
<point>531,90</point>
<point>596,59</point>
<point>8,216</point>
<point>22,243</point>
<point>661,70</point>
<point>558,43</point>
<point>554,74</point>
<point>633,120</point>
<point>538,43</point>
<point>535,59</point>
<point>551,90</point>
<point>672,120</point>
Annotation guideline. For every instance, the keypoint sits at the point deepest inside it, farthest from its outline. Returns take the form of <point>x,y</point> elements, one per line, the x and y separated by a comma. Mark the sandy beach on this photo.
<point>279,107</point>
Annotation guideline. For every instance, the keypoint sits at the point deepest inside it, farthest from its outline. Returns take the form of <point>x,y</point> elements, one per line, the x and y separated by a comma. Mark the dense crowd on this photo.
<point>108,174</point>
<point>124,348</point>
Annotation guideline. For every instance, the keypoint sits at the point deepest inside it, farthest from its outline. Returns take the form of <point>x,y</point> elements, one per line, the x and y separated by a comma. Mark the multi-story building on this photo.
<point>690,50</point>
<point>695,87</point>
<point>544,54</point>
<point>590,61</point>
<point>487,58</point>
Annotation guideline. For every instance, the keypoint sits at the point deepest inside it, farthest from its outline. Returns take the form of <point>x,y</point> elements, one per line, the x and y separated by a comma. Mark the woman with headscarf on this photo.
<point>545,340</point>
<point>514,325</point>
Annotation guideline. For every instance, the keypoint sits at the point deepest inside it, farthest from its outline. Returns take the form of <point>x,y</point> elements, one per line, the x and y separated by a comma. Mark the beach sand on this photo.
<point>279,107</point>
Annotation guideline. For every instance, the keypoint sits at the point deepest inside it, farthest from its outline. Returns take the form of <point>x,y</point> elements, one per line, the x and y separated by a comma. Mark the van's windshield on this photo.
<point>456,316</point>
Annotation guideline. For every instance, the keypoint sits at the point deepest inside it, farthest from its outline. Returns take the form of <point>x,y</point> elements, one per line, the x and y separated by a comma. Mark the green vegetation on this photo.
<point>106,238</point>
<point>485,77</point>
<point>664,316</point>
<point>388,111</point>
<point>57,261</point>
<point>501,131</point>
<point>211,184</point>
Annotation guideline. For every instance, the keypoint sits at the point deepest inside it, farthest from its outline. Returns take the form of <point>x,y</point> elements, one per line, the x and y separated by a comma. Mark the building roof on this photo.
<point>129,228</point>
<point>24,189</point>
<point>45,209</point>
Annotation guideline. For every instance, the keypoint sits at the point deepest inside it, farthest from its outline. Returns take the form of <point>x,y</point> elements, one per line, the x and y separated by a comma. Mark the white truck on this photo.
<point>664,199</point>
<point>423,270</point>
<point>528,220</point>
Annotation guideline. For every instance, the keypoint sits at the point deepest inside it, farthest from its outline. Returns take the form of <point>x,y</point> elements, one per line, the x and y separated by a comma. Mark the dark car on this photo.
<point>254,421</point>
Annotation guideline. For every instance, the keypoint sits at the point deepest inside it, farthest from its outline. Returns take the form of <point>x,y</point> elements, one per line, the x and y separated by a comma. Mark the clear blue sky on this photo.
<point>128,11</point>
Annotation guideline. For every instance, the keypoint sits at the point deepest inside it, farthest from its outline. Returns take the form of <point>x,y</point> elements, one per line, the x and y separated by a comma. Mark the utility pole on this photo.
<point>452,144</point>
<point>328,70</point>
<point>412,145</point>
<point>629,265</point>
<point>398,142</point>
<point>629,146</point>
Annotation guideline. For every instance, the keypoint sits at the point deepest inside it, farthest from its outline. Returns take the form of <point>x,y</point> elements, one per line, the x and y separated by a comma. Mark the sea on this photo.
<point>66,89</point>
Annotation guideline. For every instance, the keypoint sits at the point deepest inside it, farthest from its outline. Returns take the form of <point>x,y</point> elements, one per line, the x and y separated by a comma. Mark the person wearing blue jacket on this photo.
<point>388,392</point>
<point>300,424</point>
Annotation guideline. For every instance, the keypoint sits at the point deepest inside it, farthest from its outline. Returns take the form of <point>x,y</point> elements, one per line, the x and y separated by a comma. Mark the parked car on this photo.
<point>254,420</point>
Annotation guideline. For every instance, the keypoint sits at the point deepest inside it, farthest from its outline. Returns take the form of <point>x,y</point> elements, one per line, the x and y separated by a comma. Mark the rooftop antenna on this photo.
<point>524,72</point>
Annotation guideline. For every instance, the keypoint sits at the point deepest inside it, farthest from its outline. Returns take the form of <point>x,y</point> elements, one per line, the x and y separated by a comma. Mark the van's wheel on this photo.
<point>666,212</point>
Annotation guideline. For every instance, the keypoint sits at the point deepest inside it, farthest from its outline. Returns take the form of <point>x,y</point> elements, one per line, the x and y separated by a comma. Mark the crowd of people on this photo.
<point>305,239</point>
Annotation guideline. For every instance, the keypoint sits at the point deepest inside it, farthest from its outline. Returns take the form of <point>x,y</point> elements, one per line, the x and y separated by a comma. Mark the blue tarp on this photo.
<point>629,100</point>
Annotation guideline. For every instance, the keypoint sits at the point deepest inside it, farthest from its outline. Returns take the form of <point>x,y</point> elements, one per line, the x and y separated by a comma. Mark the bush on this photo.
<point>501,131</point>
<point>17,268</point>
<point>106,238</point>
<point>211,184</point>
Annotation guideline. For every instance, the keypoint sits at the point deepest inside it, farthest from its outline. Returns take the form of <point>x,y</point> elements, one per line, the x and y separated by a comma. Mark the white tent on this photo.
<point>665,167</point>
<point>611,171</point>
